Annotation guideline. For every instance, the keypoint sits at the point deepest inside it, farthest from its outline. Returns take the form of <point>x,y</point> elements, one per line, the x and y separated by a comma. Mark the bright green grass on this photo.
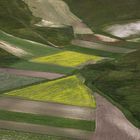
<point>70,90</point>
<point>11,81</point>
<point>67,58</point>
<point>16,135</point>
<point>48,120</point>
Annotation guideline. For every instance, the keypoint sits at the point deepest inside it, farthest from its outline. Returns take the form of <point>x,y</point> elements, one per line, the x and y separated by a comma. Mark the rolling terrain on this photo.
<point>69,70</point>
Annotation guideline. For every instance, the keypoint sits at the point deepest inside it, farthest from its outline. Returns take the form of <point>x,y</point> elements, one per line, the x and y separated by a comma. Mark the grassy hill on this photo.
<point>17,19</point>
<point>119,81</point>
<point>97,13</point>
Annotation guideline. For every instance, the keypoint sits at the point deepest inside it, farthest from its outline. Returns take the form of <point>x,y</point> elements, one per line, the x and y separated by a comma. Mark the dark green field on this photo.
<point>119,81</point>
<point>7,58</point>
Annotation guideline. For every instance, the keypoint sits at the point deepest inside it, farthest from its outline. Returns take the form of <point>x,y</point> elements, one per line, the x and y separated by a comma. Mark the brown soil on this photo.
<point>47,75</point>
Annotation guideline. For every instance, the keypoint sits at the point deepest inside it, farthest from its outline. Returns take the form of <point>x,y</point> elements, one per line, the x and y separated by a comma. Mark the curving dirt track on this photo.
<point>38,74</point>
<point>112,124</point>
<point>46,108</point>
<point>97,46</point>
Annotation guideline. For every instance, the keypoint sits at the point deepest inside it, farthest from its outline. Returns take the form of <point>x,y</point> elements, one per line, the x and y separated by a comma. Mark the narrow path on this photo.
<point>41,129</point>
<point>97,46</point>
<point>47,75</point>
<point>45,108</point>
<point>112,124</point>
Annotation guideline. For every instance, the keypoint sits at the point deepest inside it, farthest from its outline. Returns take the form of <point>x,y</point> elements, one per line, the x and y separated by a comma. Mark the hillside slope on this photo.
<point>119,81</point>
<point>17,19</point>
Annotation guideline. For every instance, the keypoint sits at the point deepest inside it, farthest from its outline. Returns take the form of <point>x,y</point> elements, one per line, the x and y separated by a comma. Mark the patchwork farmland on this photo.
<point>55,60</point>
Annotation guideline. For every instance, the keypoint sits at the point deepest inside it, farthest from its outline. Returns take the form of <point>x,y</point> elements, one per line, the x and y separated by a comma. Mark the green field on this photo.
<point>11,81</point>
<point>67,58</point>
<point>70,90</point>
<point>119,82</point>
<point>47,120</point>
<point>7,58</point>
<point>16,135</point>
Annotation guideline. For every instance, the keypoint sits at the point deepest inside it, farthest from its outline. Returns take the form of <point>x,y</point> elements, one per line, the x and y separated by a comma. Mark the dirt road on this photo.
<point>45,108</point>
<point>47,75</point>
<point>112,124</point>
<point>97,46</point>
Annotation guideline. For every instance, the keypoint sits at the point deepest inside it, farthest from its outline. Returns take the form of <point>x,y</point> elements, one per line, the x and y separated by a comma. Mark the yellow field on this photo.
<point>70,90</point>
<point>67,58</point>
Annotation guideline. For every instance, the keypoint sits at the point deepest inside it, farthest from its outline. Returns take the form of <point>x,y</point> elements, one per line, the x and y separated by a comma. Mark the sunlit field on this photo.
<point>67,58</point>
<point>70,90</point>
